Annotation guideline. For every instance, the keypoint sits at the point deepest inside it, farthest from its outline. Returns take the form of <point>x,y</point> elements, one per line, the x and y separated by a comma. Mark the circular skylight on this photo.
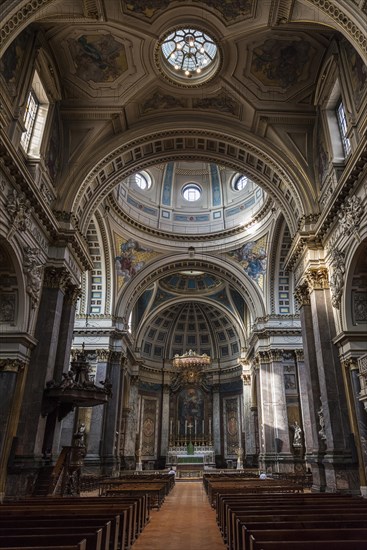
<point>191,192</point>
<point>142,180</point>
<point>239,183</point>
<point>189,55</point>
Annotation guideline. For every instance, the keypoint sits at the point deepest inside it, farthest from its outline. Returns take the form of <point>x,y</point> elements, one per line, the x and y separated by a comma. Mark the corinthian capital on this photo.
<point>302,295</point>
<point>56,277</point>
<point>317,278</point>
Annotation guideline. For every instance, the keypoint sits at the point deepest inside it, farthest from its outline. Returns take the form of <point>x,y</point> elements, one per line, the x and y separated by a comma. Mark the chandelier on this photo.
<point>189,53</point>
<point>191,359</point>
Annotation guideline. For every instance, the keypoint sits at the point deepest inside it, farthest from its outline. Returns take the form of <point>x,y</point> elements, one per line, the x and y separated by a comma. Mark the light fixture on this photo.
<point>188,54</point>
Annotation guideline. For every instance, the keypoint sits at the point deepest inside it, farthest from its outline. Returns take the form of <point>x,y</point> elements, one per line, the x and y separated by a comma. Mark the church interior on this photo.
<point>183,239</point>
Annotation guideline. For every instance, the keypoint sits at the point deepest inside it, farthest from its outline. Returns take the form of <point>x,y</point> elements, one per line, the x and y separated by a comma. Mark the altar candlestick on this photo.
<point>185,428</point>
<point>195,427</point>
<point>202,428</point>
<point>170,426</point>
<point>178,427</point>
<point>210,425</point>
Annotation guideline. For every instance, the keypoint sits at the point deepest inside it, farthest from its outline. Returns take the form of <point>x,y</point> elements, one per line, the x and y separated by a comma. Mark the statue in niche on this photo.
<point>297,437</point>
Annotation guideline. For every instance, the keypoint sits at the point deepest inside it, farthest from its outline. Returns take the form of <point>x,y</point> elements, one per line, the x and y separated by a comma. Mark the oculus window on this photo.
<point>191,192</point>
<point>188,56</point>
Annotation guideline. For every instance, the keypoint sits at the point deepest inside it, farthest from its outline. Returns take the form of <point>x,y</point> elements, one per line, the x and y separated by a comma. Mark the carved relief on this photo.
<point>19,209</point>
<point>34,272</point>
<point>162,101</point>
<point>350,216</point>
<point>359,307</point>
<point>337,277</point>
<point>8,307</point>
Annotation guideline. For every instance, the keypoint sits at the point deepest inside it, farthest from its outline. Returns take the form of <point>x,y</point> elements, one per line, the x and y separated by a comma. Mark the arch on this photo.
<point>17,292</point>
<point>355,284</point>
<point>230,273</point>
<point>240,328</point>
<point>246,154</point>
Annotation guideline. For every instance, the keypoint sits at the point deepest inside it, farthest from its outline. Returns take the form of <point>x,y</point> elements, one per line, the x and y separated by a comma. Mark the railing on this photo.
<point>60,472</point>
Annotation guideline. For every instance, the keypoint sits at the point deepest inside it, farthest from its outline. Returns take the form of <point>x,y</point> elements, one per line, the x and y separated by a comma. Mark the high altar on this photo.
<point>190,432</point>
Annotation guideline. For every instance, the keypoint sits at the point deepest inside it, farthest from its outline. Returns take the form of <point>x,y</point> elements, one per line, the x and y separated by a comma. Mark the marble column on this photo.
<point>248,419</point>
<point>132,424</point>
<point>340,472</point>
<point>109,455</point>
<point>62,361</point>
<point>31,426</point>
<point>274,418</point>
<point>216,421</point>
<point>165,420</point>
<point>309,390</point>
<point>12,377</point>
<point>358,418</point>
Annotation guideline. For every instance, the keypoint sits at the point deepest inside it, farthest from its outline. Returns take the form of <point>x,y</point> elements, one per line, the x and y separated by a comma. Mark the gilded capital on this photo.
<point>317,278</point>
<point>246,379</point>
<point>11,365</point>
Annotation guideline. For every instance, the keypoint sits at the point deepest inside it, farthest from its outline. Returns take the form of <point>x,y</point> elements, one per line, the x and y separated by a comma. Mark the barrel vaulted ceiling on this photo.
<point>120,111</point>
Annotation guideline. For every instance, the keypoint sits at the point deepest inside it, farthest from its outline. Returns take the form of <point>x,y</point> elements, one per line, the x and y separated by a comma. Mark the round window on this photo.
<point>240,183</point>
<point>191,192</point>
<point>142,180</point>
<point>188,55</point>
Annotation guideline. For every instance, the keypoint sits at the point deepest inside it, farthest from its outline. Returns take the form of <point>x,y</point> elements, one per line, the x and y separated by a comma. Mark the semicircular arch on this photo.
<point>228,271</point>
<point>265,165</point>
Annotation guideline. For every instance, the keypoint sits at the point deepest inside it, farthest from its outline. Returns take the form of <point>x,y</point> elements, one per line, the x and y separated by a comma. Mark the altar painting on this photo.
<point>191,412</point>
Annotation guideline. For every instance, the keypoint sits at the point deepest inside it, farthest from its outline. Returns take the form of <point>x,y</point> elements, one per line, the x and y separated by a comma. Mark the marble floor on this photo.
<point>185,522</point>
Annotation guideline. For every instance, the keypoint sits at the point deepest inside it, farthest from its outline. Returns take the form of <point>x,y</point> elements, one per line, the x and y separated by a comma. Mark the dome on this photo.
<point>184,197</point>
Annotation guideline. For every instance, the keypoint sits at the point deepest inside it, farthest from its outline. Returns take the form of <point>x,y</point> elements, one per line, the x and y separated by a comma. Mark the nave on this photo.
<point>185,522</point>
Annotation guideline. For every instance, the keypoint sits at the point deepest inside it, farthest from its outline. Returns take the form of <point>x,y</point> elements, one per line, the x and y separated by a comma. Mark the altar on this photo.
<point>197,456</point>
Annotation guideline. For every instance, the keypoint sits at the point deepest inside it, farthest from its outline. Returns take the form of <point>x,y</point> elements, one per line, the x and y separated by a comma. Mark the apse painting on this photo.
<point>282,63</point>
<point>253,258</point>
<point>98,57</point>
<point>130,259</point>
<point>191,412</point>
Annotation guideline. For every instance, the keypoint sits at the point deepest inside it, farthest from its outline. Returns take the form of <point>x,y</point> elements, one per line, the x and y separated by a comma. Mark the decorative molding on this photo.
<point>350,215</point>
<point>19,209</point>
<point>72,294</point>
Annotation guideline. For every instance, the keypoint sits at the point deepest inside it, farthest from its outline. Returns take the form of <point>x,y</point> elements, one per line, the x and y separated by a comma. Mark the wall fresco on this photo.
<point>282,63</point>
<point>98,57</point>
<point>253,258</point>
<point>130,259</point>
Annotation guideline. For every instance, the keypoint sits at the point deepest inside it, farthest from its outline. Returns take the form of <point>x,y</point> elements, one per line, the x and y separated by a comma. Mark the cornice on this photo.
<point>184,237</point>
<point>19,175</point>
<point>314,239</point>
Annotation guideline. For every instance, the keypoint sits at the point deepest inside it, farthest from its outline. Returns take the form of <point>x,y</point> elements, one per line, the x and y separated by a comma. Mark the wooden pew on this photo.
<point>20,528</point>
<point>303,535</point>
<point>118,514</point>
<point>93,540</point>
<point>79,546</point>
<point>156,492</point>
<point>312,545</point>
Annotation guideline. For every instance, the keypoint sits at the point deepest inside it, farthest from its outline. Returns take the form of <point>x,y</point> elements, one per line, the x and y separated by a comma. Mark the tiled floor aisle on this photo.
<point>185,522</point>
